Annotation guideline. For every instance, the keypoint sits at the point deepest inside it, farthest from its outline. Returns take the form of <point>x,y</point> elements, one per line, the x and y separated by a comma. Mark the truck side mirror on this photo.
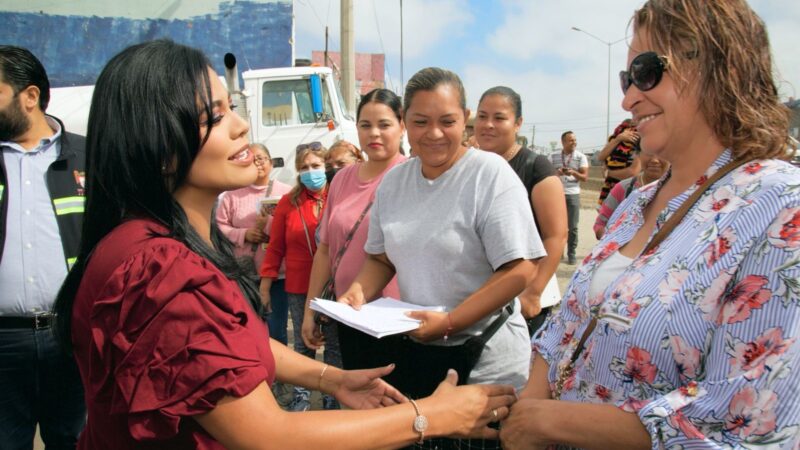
<point>316,94</point>
<point>277,163</point>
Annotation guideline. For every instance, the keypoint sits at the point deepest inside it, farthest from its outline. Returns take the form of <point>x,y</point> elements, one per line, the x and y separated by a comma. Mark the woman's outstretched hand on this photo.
<point>466,411</point>
<point>364,389</point>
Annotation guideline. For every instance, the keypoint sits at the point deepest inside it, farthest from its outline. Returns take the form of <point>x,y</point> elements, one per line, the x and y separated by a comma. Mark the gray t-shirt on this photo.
<point>447,236</point>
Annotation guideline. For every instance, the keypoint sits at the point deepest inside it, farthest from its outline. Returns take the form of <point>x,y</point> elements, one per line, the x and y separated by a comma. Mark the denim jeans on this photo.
<point>332,354</point>
<point>278,320</point>
<point>38,384</point>
<point>573,214</point>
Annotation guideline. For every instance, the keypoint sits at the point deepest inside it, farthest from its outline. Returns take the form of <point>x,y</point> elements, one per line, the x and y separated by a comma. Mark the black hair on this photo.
<point>384,97</point>
<point>20,69</point>
<point>429,79</point>
<point>143,135</point>
<point>509,94</point>
<point>564,134</point>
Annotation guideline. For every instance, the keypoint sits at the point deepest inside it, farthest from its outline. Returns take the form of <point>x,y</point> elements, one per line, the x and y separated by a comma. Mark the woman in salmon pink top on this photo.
<point>292,243</point>
<point>380,131</point>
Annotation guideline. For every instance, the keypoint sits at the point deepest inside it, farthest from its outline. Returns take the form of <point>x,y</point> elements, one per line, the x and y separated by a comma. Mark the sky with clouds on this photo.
<point>528,45</point>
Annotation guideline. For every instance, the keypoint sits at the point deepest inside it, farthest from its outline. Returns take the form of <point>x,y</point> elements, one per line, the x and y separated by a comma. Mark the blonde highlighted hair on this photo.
<point>348,147</point>
<point>724,45</point>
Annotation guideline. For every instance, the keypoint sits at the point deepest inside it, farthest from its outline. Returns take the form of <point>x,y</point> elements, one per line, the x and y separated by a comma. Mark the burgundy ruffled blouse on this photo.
<point>160,335</point>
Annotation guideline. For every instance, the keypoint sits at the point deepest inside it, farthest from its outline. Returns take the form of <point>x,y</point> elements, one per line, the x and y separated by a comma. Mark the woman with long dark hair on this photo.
<point>496,126</point>
<point>161,318</point>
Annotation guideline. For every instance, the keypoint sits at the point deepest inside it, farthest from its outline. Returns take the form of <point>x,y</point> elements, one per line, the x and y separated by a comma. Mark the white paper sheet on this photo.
<point>382,317</point>
<point>551,294</point>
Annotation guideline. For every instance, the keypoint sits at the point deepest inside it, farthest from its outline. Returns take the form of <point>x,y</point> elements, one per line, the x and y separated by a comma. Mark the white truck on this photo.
<point>285,107</point>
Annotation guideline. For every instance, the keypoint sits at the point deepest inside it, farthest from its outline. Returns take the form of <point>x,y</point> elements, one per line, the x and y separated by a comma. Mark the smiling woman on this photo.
<point>653,346</point>
<point>454,225</point>
<point>162,319</point>
<point>496,127</point>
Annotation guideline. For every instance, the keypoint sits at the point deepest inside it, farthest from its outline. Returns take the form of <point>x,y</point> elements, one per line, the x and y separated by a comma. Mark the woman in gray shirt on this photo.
<point>454,224</point>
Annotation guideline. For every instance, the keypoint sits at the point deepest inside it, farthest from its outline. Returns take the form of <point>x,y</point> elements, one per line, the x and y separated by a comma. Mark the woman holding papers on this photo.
<point>344,224</point>
<point>161,318</point>
<point>454,225</point>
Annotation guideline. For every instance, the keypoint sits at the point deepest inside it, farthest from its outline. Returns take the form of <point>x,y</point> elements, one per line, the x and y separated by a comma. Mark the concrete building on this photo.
<point>75,39</point>
<point>370,68</point>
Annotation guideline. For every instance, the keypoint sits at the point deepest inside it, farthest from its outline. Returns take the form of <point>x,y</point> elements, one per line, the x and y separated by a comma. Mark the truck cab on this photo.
<point>295,105</point>
<point>285,107</point>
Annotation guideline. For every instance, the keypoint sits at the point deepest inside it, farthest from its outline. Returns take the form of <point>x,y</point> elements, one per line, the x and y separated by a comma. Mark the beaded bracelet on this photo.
<point>449,328</point>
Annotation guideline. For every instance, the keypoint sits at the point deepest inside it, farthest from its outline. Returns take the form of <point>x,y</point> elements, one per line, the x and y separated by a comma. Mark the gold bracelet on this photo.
<point>420,423</point>
<point>322,374</point>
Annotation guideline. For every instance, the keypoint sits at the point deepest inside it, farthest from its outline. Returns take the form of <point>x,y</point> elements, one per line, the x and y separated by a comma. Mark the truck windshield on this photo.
<point>288,102</point>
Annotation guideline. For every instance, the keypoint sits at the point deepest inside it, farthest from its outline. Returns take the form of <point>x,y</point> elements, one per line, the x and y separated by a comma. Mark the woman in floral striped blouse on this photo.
<point>691,342</point>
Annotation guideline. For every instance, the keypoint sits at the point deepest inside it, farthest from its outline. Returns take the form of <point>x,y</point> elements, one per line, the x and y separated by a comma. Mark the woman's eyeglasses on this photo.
<point>645,72</point>
<point>316,145</point>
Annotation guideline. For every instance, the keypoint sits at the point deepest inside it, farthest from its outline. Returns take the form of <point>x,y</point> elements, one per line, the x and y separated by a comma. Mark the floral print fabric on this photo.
<point>699,336</point>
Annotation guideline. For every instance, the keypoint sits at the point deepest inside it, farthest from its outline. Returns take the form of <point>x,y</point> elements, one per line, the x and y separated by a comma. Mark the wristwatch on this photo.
<point>420,422</point>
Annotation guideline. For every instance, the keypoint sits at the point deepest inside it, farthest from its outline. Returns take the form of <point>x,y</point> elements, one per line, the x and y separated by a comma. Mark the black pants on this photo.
<point>573,215</point>
<point>39,384</point>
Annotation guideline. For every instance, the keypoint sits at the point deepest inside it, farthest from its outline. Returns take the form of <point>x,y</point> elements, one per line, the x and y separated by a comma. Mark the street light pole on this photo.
<point>608,93</point>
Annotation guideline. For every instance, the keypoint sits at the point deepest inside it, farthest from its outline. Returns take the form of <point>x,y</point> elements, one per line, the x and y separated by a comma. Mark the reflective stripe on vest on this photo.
<point>71,262</point>
<point>69,205</point>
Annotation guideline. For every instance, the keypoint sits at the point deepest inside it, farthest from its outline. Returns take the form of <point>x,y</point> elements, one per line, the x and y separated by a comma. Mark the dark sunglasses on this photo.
<point>316,145</point>
<point>645,72</point>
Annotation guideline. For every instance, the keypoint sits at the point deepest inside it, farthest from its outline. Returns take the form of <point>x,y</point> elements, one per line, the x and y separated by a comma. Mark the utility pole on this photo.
<point>608,91</point>
<point>402,78</point>
<point>533,136</point>
<point>348,56</point>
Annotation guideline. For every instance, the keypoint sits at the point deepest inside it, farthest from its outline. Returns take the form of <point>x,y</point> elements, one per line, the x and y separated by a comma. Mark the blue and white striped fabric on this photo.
<point>700,336</point>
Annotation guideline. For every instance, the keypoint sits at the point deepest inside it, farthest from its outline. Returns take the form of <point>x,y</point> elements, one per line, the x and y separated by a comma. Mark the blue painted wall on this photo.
<point>75,48</point>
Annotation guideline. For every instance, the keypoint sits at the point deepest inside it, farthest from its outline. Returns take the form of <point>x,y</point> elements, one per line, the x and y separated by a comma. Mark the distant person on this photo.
<point>496,126</point>
<point>454,225</point>
<point>340,155</point>
<point>245,219</point>
<point>573,169</point>
<point>345,222</point>
<point>292,244</point>
<point>653,168</point>
<point>161,318</point>
<point>41,215</point>
<point>618,157</point>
